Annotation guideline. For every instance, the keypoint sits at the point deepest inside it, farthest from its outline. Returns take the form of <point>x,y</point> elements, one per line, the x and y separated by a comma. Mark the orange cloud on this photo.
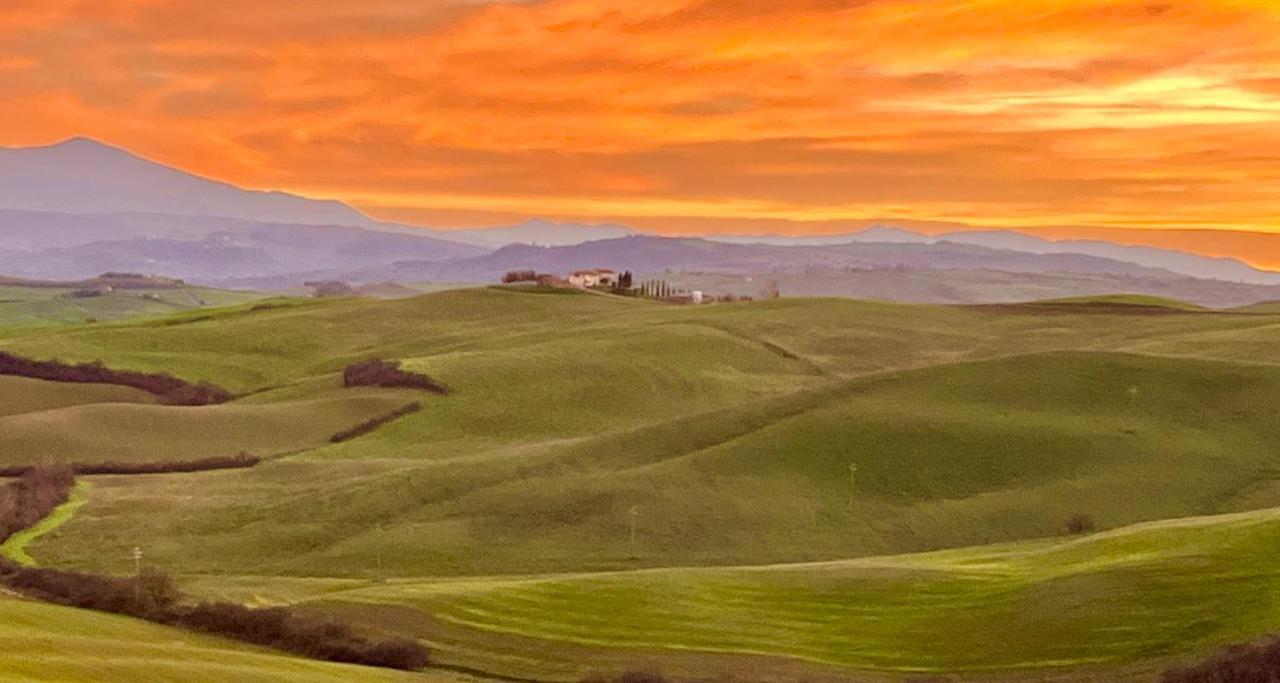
<point>1111,113</point>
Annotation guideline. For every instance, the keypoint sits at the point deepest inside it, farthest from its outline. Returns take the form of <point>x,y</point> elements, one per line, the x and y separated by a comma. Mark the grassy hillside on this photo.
<point>723,435</point>
<point>962,454</point>
<point>1131,301</point>
<point>40,306</point>
<point>50,643</point>
<point>138,432</point>
<point>20,395</point>
<point>1121,602</point>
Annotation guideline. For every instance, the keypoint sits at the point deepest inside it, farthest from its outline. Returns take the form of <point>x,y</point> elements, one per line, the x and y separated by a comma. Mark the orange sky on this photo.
<point>732,115</point>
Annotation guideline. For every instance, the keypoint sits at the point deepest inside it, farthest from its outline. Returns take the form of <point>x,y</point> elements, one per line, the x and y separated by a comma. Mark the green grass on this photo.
<point>729,430</point>
<point>130,432</point>
<point>19,395</point>
<point>1124,301</point>
<point>50,643</point>
<point>1139,595</point>
<point>957,455</point>
<point>15,547</point>
<point>22,307</point>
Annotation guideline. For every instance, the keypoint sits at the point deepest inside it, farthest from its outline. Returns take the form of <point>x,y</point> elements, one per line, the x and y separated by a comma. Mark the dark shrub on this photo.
<point>629,677</point>
<point>1258,663</point>
<point>1081,524</point>
<point>369,426</point>
<point>514,276</point>
<point>384,373</point>
<point>32,497</point>
<point>228,462</point>
<point>170,389</point>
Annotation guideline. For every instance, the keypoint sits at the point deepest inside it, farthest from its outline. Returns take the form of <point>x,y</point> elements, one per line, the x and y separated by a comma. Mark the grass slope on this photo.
<point>20,395</point>
<point>121,432</point>
<point>956,455</point>
<point>730,430</point>
<point>1126,601</point>
<point>40,307</point>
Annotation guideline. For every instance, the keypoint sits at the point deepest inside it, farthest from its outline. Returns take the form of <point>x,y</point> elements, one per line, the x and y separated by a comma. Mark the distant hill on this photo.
<point>651,254</point>
<point>86,176</point>
<point>79,208</point>
<point>875,233</point>
<point>538,231</point>
<point>1177,261</point>
<point>240,250</point>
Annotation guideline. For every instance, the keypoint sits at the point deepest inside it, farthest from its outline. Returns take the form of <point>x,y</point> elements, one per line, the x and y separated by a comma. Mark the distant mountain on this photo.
<point>537,231</point>
<point>211,251</point>
<point>79,208</point>
<point>654,254</point>
<point>82,176</point>
<point>875,233</point>
<point>1194,265</point>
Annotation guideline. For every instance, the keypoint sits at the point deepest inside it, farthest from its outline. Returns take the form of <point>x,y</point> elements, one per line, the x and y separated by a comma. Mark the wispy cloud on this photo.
<point>1106,112</point>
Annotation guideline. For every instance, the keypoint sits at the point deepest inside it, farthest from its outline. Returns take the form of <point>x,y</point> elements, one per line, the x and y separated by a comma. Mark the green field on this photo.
<point>22,307</point>
<point>1169,587</point>
<point>594,491</point>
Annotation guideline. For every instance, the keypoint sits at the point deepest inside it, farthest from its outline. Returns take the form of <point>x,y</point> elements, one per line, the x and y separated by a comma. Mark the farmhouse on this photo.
<point>593,278</point>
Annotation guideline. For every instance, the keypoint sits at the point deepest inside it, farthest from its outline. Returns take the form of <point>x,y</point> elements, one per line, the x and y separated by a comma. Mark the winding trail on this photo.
<point>15,549</point>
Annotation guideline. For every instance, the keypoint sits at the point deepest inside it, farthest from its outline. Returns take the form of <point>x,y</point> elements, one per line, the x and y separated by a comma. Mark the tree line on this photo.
<point>169,389</point>
<point>221,462</point>
<point>372,424</point>
<point>33,496</point>
<point>1255,663</point>
<point>153,596</point>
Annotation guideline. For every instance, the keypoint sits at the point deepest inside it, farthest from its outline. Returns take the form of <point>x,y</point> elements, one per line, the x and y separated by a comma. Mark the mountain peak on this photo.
<point>81,141</point>
<point>81,175</point>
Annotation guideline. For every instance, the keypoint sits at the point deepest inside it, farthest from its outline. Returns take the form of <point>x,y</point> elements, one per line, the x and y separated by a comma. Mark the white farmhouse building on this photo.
<point>593,278</point>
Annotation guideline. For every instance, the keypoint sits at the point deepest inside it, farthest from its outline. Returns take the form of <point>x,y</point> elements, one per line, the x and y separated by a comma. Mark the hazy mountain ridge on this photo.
<point>254,251</point>
<point>80,208</point>
<point>650,254</point>
<point>540,232</point>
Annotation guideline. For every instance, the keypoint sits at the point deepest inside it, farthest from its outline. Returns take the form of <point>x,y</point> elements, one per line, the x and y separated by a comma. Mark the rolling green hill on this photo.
<point>137,432</point>
<point>22,307</point>
<point>19,395</point>
<point>1099,603</point>
<point>768,433</point>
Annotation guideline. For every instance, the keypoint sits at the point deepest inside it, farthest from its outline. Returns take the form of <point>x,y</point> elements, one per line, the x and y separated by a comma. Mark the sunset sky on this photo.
<point>681,115</point>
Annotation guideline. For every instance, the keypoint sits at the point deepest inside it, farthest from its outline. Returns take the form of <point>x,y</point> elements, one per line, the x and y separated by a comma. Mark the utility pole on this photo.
<point>137,573</point>
<point>853,474</point>
<point>382,530</point>
<point>635,513</point>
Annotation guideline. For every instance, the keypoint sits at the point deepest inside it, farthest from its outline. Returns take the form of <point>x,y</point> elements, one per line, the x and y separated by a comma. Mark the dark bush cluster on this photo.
<point>513,276</point>
<point>33,496</point>
<point>153,596</point>
<point>629,677</point>
<point>1258,663</point>
<point>1081,524</point>
<point>284,629</point>
<point>370,425</point>
<point>170,389</point>
<point>224,462</point>
<point>386,373</point>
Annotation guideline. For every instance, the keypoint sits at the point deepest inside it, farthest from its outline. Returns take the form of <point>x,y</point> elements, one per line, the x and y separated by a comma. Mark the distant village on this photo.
<point>621,284</point>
